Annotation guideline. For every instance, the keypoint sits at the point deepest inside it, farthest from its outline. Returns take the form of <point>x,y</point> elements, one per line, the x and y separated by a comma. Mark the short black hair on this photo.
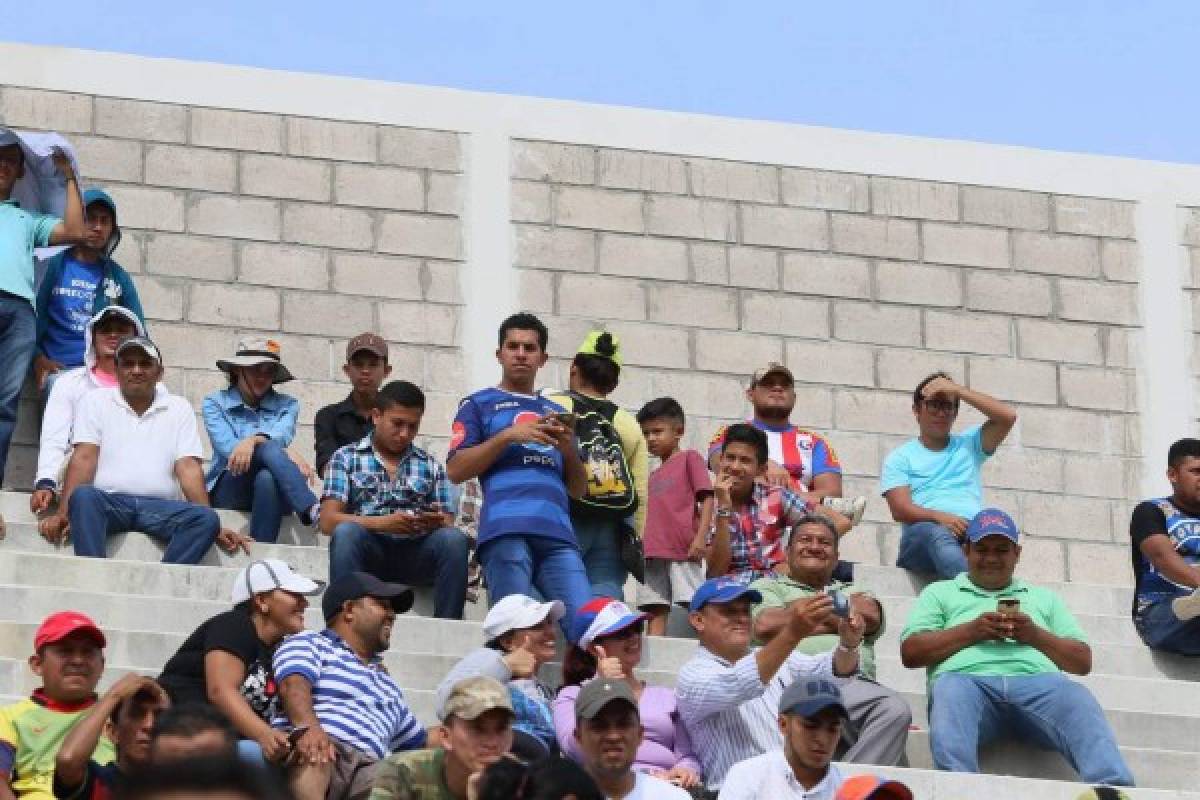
<point>662,408</point>
<point>202,776</point>
<point>400,393</point>
<point>1184,448</point>
<point>194,719</point>
<point>917,397</point>
<point>810,518</point>
<point>745,433</point>
<point>600,371</point>
<point>524,321</point>
<point>143,695</point>
<point>549,779</point>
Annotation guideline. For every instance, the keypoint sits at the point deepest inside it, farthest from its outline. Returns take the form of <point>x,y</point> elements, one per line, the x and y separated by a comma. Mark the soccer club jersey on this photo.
<point>803,453</point>
<point>523,490</point>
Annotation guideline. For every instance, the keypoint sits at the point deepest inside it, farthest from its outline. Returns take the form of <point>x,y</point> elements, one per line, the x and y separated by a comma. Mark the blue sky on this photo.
<point>1101,77</point>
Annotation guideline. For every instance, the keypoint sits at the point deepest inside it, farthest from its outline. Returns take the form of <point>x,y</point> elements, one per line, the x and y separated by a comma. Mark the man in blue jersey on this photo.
<point>522,448</point>
<point>344,710</point>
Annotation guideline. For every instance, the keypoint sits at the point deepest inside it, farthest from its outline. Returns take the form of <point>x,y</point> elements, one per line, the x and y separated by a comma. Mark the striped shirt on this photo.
<point>358,704</point>
<point>730,714</point>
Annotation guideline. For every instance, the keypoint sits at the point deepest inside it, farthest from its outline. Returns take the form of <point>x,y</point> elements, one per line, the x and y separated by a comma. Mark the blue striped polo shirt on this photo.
<point>358,704</point>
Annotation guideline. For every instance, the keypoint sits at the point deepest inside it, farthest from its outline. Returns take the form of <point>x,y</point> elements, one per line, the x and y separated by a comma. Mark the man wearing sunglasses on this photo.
<point>932,484</point>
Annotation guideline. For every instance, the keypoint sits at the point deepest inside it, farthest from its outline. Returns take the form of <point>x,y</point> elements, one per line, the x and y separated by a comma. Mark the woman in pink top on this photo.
<point>608,642</point>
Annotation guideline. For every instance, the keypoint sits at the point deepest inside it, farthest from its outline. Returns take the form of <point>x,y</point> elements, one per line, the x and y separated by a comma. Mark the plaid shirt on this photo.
<point>357,477</point>
<point>757,529</point>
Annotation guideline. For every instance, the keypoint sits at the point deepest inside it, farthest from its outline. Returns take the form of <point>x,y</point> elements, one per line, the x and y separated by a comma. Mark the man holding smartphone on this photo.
<point>995,650</point>
<point>387,505</point>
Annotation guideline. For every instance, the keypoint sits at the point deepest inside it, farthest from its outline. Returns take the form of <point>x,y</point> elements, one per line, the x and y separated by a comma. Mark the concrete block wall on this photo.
<point>309,207</point>
<point>302,229</point>
<point>862,284</point>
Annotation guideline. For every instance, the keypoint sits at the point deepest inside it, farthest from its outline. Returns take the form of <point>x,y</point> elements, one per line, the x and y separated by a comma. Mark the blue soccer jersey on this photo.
<point>523,490</point>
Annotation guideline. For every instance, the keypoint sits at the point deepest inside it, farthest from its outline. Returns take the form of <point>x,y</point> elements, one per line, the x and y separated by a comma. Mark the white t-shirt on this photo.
<point>647,787</point>
<point>771,776</point>
<point>137,454</point>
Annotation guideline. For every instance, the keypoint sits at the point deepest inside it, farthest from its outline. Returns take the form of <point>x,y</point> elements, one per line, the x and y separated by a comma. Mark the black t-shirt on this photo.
<point>1147,520</point>
<point>233,632</point>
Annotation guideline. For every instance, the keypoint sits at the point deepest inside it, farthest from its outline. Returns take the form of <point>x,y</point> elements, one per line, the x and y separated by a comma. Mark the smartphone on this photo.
<point>564,418</point>
<point>295,734</point>
<point>1008,605</point>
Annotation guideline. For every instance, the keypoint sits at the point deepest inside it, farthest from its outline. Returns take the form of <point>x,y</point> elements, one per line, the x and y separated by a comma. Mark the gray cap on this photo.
<point>598,693</point>
<point>142,343</point>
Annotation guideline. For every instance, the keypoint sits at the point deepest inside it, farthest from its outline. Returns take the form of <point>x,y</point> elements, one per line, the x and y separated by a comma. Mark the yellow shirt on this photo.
<point>34,731</point>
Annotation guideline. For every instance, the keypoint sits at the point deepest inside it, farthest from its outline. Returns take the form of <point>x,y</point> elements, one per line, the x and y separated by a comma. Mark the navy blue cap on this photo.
<point>992,522</point>
<point>722,590</point>
<point>807,697</point>
<point>354,585</point>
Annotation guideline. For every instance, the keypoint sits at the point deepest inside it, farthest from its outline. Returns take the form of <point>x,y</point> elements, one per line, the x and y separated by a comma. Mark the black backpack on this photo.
<point>610,489</point>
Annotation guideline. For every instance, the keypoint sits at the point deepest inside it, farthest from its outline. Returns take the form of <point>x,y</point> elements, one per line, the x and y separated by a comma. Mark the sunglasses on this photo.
<point>633,630</point>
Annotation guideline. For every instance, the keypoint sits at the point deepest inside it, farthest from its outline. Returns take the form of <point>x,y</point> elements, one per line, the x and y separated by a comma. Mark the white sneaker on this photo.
<point>1187,608</point>
<point>852,507</point>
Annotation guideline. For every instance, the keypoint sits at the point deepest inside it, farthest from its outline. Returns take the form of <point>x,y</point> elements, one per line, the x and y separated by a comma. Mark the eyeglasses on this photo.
<point>940,406</point>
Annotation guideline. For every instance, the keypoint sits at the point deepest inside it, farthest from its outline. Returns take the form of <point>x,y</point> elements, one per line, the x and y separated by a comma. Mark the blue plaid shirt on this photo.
<point>357,477</point>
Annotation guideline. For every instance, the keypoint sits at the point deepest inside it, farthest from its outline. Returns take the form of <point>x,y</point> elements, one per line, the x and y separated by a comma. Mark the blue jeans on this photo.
<point>189,529</point>
<point>18,332</point>
<point>600,547</point>
<point>518,563</point>
<point>927,547</point>
<point>1047,710</point>
<point>1160,629</point>
<point>272,487</point>
<point>438,558</point>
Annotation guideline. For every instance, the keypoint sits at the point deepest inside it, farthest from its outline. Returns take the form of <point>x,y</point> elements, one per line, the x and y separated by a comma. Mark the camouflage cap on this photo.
<point>472,697</point>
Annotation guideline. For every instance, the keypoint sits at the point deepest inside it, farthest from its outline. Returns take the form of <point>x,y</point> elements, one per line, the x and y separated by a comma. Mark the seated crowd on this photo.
<point>552,495</point>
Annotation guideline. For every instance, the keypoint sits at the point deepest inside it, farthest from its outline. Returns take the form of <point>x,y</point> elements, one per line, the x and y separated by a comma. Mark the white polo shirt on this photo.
<point>770,775</point>
<point>138,454</point>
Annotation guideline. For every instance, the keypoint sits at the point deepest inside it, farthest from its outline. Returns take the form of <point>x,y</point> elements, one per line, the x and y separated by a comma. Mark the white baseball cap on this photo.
<point>269,574</point>
<point>517,611</point>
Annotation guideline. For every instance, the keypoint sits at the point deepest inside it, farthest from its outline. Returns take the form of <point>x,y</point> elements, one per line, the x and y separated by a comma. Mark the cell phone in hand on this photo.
<point>295,734</point>
<point>1008,605</point>
<point>564,418</point>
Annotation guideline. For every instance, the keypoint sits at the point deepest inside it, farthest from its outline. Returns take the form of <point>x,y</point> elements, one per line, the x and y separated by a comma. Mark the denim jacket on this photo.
<point>229,421</point>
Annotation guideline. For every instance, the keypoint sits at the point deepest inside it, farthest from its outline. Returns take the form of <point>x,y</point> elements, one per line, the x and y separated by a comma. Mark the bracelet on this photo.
<point>845,649</point>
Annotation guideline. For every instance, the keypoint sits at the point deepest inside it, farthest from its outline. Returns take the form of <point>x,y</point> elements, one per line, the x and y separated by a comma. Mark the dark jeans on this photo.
<point>517,563</point>
<point>272,487</point>
<point>929,548</point>
<point>1160,629</point>
<point>188,529</point>
<point>18,331</point>
<point>438,558</point>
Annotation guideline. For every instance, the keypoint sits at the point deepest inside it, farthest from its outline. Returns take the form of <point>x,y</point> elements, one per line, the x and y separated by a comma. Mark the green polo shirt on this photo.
<point>20,232</point>
<point>778,591</point>
<point>945,604</point>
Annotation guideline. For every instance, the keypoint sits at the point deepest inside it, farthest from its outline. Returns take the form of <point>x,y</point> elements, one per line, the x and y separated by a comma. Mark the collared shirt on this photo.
<point>770,775</point>
<point>780,591</point>
<point>20,232</point>
<point>137,453</point>
<point>756,531</point>
<point>229,420</point>
<point>358,704</point>
<point>359,479</point>
<point>336,426</point>
<point>945,604</point>
<point>729,712</point>
<point>31,733</point>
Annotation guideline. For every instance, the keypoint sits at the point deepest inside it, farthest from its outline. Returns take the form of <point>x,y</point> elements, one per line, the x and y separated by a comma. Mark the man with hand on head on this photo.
<point>932,483</point>
<point>131,708</point>
<point>338,700</point>
<point>811,713</point>
<point>609,731</point>
<point>729,693</point>
<point>477,720</point>
<point>995,650</point>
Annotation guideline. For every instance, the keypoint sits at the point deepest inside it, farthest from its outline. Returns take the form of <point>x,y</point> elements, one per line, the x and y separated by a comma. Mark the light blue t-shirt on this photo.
<point>20,232</point>
<point>944,480</point>
<point>70,310</point>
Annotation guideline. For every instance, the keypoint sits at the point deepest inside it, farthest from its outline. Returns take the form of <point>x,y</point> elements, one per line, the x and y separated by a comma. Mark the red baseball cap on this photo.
<point>872,787</point>
<point>62,624</point>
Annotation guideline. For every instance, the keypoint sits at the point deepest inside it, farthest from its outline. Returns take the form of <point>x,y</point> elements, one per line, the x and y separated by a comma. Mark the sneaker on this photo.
<point>852,507</point>
<point>1187,608</point>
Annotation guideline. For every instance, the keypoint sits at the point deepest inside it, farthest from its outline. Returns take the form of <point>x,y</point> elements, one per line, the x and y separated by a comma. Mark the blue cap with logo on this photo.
<point>992,522</point>
<point>807,697</point>
<point>722,590</point>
